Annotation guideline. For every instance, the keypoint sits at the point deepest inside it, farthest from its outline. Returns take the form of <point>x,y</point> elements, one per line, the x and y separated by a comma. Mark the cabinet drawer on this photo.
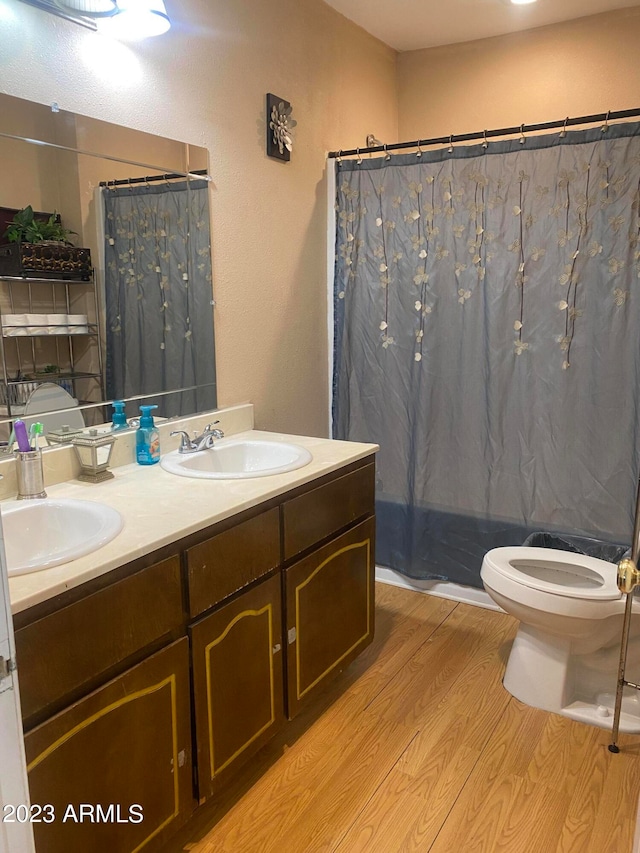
<point>315,515</point>
<point>231,560</point>
<point>126,744</point>
<point>74,649</point>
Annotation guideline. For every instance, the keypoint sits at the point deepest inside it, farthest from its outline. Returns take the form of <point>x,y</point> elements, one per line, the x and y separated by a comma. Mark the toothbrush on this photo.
<point>35,430</point>
<point>21,437</point>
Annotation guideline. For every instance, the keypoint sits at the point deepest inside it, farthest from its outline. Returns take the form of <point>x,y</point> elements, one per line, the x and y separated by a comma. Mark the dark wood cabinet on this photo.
<point>191,647</point>
<point>330,611</point>
<point>125,748</point>
<point>237,681</point>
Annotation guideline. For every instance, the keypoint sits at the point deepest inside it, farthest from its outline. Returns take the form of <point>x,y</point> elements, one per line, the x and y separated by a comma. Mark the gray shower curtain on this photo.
<point>158,295</point>
<point>487,336</point>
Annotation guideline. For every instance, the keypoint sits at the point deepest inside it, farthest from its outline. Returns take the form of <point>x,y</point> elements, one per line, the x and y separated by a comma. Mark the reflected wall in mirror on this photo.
<point>143,323</point>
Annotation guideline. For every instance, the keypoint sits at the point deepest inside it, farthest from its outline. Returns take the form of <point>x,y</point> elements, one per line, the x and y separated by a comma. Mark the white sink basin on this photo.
<point>39,534</point>
<point>236,460</point>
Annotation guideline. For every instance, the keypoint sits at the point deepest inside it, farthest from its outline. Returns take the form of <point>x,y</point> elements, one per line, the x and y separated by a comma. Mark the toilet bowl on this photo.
<point>565,654</point>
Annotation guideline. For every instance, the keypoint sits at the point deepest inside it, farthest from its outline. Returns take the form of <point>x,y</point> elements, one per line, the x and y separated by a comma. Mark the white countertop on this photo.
<point>159,508</point>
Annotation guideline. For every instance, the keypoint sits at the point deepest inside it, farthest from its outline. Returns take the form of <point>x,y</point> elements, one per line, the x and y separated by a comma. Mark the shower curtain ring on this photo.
<point>419,151</point>
<point>563,132</point>
<point>485,143</point>
<point>387,156</point>
<point>450,148</point>
<point>359,160</point>
<point>523,138</point>
<point>605,126</point>
<point>339,157</point>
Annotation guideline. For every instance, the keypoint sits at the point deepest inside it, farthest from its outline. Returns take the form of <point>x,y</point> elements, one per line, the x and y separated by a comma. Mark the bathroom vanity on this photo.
<point>148,684</point>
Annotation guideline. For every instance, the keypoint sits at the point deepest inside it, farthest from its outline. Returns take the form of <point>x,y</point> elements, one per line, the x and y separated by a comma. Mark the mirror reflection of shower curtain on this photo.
<point>487,336</point>
<point>158,294</point>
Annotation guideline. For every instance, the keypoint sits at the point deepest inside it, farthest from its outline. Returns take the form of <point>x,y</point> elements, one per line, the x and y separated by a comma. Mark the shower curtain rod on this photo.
<point>167,177</point>
<point>488,134</point>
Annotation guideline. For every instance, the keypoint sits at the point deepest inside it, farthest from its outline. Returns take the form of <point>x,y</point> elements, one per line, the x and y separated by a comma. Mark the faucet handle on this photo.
<point>209,435</point>
<point>185,441</point>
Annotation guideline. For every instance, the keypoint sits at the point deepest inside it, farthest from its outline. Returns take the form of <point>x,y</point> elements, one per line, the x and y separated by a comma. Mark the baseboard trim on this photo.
<point>442,589</point>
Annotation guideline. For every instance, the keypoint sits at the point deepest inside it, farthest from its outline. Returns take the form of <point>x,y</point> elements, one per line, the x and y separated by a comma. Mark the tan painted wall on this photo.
<point>27,172</point>
<point>582,67</point>
<point>205,82</point>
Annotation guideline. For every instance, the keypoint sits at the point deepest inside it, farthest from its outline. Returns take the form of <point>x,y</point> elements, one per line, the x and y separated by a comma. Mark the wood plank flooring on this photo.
<point>418,748</point>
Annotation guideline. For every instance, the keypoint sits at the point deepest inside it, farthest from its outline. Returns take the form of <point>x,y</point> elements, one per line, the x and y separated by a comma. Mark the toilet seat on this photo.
<point>561,573</point>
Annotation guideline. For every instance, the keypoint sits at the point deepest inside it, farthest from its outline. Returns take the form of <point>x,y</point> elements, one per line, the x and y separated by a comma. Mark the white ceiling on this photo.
<point>414,24</point>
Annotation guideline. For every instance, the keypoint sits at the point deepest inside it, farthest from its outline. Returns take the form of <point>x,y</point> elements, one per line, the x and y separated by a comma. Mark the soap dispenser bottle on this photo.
<point>147,438</point>
<point>119,419</point>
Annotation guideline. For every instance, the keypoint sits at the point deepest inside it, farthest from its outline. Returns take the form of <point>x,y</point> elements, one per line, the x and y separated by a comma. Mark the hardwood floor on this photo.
<point>419,747</point>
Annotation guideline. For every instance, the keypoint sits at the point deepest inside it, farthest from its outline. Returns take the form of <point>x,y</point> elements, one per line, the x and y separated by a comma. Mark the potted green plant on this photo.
<point>47,370</point>
<point>38,247</point>
<point>25,227</point>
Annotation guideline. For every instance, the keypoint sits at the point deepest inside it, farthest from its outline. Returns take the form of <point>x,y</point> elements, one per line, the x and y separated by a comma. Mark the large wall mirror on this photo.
<point>140,324</point>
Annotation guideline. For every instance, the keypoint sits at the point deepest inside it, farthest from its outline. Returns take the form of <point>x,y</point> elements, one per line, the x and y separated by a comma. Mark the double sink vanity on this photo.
<point>154,666</point>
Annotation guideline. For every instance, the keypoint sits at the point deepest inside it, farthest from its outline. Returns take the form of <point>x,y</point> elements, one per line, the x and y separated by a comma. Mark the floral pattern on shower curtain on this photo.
<point>487,337</point>
<point>158,294</point>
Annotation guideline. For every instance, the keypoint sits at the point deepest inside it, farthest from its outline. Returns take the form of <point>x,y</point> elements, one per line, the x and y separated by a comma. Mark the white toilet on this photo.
<point>565,655</point>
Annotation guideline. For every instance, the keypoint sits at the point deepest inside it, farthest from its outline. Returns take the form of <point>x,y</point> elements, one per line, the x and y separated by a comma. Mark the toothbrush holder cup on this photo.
<point>30,475</point>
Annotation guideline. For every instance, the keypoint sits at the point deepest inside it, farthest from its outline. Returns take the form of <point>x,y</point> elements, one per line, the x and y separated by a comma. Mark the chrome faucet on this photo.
<point>198,442</point>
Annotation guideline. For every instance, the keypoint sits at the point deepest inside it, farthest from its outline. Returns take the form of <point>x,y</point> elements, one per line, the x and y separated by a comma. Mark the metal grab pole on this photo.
<point>628,580</point>
<point>613,747</point>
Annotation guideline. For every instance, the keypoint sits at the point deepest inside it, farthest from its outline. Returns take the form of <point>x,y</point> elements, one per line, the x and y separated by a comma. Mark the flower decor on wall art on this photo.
<point>279,127</point>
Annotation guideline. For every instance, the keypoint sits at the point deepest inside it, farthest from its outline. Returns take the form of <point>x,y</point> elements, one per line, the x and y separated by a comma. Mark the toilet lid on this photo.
<point>48,398</point>
<point>558,572</point>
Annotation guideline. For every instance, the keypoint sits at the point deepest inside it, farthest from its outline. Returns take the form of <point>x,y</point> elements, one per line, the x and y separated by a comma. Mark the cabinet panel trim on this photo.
<point>147,691</point>
<point>245,613</point>
<point>364,544</point>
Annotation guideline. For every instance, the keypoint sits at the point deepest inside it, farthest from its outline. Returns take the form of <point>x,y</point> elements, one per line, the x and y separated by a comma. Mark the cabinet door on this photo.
<point>329,611</point>
<point>237,678</point>
<point>116,766</point>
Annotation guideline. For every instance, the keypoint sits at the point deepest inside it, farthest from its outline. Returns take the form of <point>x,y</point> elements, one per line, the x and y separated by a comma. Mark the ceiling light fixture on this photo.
<point>89,8</point>
<point>522,2</point>
<point>122,19</point>
<point>136,19</point>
